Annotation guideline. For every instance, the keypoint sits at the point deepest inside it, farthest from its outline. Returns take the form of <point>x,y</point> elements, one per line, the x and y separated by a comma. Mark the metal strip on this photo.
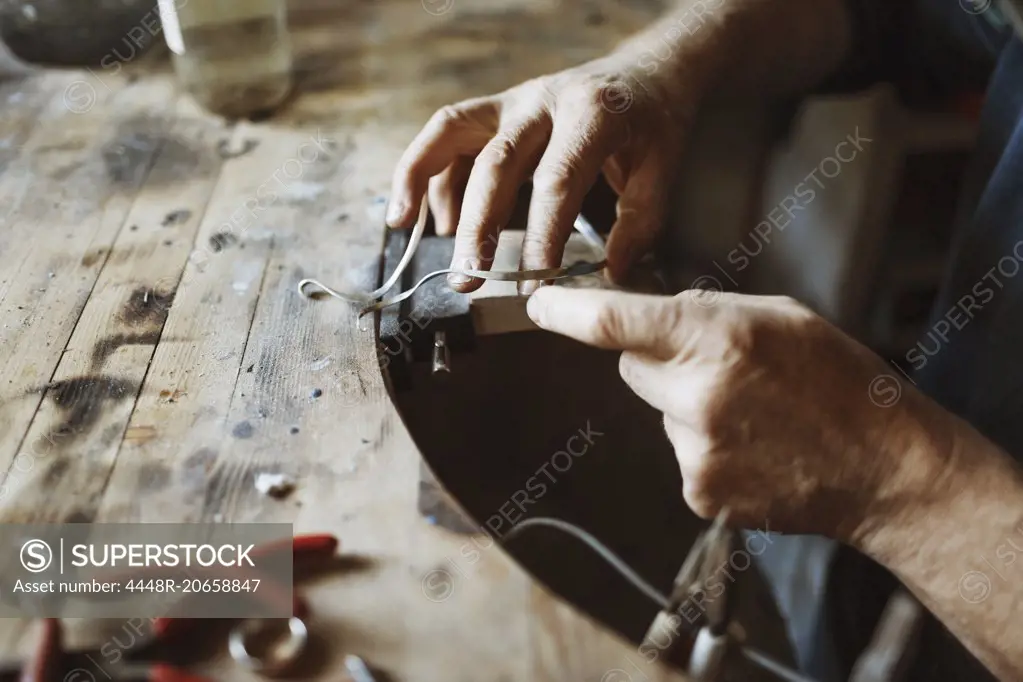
<point>581,225</point>
<point>576,270</point>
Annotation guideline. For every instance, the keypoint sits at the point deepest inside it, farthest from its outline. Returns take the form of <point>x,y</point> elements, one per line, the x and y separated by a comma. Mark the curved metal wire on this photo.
<point>371,299</point>
<point>365,297</point>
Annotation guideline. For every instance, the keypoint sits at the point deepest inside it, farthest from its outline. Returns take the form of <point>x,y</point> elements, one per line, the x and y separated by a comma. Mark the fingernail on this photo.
<point>529,287</point>
<point>456,279</point>
<point>395,211</point>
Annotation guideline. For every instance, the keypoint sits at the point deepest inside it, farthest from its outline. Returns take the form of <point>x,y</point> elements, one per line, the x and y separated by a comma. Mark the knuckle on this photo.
<point>438,191</point>
<point>447,118</point>
<point>533,95</point>
<point>804,316</point>
<point>689,297</point>
<point>717,423</point>
<point>788,302</point>
<point>696,496</point>
<point>608,324</point>
<point>793,308</point>
<point>595,97</point>
<point>539,244</point>
<point>405,167</point>
<point>673,317</point>
<point>595,100</point>
<point>499,153</point>
<point>544,91</point>
<point>556,178</point>
<point>741,339</point>
<point>707,419</point>
<point>584,92</point>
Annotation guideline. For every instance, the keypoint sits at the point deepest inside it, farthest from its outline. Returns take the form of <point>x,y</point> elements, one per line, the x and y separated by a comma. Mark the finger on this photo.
<point>615,174</point>
<point>691,447</point>
<point>579,145</point>
<point>459,130</point>
<point>640,208</point>
<point>692,452</point>
<point>446,193</point>
<point>681,390</point>
<point>645,324</point>
<point>501,168</point>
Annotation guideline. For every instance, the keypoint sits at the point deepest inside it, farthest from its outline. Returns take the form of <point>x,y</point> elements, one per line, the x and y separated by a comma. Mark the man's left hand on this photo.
<point>772,411</point>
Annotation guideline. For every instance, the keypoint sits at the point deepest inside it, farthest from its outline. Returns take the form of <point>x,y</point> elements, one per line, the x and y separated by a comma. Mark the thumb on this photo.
<point>648,325</point>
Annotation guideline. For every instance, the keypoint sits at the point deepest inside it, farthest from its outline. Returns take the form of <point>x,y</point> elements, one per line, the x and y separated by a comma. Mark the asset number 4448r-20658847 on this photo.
<point>193,585</point>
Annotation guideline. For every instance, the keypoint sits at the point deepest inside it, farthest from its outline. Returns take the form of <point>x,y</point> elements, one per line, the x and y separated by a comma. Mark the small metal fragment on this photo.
<point>358,669</point>
<point>441,353</point>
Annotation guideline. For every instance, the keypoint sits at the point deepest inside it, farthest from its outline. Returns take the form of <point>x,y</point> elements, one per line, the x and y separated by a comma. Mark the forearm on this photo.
<point>739,47</point>
<point>958,551</point>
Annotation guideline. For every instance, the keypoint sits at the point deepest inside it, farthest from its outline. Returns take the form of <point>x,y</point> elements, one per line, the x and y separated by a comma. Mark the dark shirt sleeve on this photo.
<point>879,30</point>
<point>933,45</point>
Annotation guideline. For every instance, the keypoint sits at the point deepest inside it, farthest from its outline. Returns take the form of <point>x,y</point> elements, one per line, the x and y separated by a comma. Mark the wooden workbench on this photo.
<point>155,357</point>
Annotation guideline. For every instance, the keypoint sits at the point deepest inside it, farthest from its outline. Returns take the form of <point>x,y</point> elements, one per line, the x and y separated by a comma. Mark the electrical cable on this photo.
<point>615,561</point>
<point>751,654</point>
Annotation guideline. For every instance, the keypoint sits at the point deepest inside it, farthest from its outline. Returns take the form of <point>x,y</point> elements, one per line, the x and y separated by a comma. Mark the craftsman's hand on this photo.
<point>772,411</point>
<point>562,130</point>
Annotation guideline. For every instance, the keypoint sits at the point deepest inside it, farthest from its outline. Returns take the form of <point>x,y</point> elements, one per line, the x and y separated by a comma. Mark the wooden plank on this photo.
<point>82,173</point>
<point>65,193</point>
<point>573,648</point>
<point>88,401</point>
<point>22,101</point>
<point>182,414</point>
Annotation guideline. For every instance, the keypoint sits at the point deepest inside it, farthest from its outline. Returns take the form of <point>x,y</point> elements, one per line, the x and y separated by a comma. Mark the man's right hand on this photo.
<point>562,130</point>
<point>627,115</point>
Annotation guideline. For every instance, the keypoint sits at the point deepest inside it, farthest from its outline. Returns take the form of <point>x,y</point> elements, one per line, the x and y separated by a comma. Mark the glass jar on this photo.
<point>103,33</point>
<point>232,56</point>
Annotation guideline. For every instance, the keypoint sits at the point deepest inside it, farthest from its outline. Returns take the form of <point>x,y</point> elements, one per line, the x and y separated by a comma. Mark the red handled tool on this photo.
<point>45,664</point>
<point>306,550</point>
<point>155,657</point>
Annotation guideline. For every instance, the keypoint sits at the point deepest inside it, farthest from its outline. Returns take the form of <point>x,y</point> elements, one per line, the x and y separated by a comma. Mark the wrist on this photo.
<point>947,475</point>
<point>742,48</point>
<point>681,56</point>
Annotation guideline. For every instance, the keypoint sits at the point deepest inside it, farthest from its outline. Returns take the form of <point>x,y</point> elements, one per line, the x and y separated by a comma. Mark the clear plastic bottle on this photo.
<point>232,56</point>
